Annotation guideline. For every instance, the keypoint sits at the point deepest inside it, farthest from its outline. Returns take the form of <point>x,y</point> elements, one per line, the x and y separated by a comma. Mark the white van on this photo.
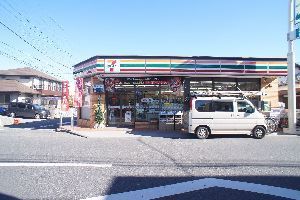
<point>225,115</point>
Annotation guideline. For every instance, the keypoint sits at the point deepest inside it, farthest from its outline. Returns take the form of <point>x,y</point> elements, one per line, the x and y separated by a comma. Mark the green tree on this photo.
<point>99,118</point>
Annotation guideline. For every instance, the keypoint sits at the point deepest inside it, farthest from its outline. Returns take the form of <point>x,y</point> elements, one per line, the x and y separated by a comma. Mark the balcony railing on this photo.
<point>46,87</point>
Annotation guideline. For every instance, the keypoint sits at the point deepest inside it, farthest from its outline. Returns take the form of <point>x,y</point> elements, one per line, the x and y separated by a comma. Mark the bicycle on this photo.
<point>272,124</point>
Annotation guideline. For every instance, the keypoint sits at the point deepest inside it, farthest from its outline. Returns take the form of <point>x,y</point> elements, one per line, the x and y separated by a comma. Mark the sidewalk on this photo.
<point>113,132</point>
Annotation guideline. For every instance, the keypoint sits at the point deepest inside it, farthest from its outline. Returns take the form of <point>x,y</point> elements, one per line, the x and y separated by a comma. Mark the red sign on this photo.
<point>65,96</point>
<point>78,92</point>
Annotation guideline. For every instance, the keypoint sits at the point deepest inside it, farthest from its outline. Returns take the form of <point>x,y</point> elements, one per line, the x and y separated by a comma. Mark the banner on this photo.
<point>78,92</point>
<point>175,84</point>
<point>65,96</point>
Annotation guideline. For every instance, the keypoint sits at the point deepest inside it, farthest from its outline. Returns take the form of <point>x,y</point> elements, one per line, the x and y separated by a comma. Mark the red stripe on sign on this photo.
<point>235,71</point>
<point>207,70</point>
<point>158,70</point>
<point>182,70</point>
<point>100,70</point>
<point>255,72</point>
<point>284,72</point>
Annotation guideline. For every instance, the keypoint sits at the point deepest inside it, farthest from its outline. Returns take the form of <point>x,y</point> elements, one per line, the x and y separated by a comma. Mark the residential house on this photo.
<point>29,85</point>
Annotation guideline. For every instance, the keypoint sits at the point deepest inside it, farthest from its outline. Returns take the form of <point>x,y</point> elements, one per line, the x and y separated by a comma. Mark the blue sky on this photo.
<point>74,30</point>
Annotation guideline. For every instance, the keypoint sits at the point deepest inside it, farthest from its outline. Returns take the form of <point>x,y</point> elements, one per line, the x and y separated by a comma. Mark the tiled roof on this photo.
<point>15,86</point>
<point>26,71</point>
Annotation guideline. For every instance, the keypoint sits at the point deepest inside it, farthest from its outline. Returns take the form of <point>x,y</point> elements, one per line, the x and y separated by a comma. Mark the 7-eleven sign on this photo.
<point>112,66</point>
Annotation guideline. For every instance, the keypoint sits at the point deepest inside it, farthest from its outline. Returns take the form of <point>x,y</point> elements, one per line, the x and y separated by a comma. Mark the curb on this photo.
<point>283,134</point>
<point>70,132</point>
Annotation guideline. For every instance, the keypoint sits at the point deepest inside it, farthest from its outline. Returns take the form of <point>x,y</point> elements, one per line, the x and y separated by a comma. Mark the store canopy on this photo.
<point>110,66</point>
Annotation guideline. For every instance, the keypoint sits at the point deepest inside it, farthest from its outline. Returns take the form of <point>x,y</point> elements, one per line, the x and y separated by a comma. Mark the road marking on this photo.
<point>179,188</point>
<point>19,164</point>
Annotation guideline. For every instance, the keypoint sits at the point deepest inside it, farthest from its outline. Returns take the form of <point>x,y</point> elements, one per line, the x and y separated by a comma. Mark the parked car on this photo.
<point>3,111</point>
<point>27,110</point>
<point>226,115</point>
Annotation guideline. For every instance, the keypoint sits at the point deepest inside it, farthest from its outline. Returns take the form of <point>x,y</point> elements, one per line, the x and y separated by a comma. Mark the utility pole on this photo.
<point>291,70</point>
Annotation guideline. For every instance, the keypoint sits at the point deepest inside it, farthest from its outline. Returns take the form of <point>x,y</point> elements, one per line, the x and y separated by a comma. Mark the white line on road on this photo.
<point>25,164</point>
<point>179,188</point>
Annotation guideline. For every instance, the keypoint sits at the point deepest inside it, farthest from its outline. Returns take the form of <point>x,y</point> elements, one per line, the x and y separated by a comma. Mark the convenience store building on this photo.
<point>145,92</point>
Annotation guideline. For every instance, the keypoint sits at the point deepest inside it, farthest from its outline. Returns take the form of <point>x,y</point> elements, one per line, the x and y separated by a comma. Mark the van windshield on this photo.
<point>38,107</point>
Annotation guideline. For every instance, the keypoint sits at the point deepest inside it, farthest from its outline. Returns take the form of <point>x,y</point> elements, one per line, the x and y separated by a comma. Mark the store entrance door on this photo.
<point>121,108</point>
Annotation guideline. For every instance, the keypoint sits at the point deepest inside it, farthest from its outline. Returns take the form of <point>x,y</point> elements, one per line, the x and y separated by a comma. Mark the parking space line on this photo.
<point>189,186</point>
<point>27,164</point>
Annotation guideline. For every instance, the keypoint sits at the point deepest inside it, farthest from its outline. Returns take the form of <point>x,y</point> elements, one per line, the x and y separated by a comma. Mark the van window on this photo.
<point>13,104</point>
<point>203,105</point>
<point>21,105</point>
<point>29,106</point>
<point>244,106</point>
<point>223,106</point>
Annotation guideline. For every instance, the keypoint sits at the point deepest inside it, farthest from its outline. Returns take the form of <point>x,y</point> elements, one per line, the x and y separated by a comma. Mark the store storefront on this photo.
<point>152,92</point>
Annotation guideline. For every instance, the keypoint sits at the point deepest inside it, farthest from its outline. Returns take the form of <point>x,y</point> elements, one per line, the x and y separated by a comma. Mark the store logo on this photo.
<point>112,66</point>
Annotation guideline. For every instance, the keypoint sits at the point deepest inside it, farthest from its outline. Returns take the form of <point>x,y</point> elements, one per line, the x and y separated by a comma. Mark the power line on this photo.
<point>32,45</point>
<point>36,30</point>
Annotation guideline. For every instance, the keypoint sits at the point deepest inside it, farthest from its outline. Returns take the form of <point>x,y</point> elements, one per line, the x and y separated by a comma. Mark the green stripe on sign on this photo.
<point>255,67</point>
<point>278,67</point>
<point>132,65</point>
<point>191,66</point>
<point>158,65</point>
<point>99,65</point>
<point>232,66</point>
<point>208,66</point>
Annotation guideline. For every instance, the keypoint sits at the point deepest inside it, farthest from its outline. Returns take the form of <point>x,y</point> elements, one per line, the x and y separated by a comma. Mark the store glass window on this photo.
<point>248,84</point>
<point>147,102</point>
<point>201,84</point>
<point>225,84</point>
<point>171,101</point>
<point>4,98</point>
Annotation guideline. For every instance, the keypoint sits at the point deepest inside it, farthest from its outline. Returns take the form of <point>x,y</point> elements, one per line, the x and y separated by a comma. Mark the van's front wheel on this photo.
<point>259,132</point>
<point>202,132</point>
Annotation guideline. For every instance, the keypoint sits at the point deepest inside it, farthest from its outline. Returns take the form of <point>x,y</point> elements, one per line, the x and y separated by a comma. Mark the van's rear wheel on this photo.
<point>202,132</point>
<point>259,132</point>
<point>37,116</point>
<point>13,115</point>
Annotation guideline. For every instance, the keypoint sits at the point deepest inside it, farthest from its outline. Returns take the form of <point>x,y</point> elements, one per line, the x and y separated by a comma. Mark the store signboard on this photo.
<point>297,12</point>
<point>98,88</point>
<point>78,92</point>
<point>112,66</point>
<point>65,96</point>
<point>143,81</point>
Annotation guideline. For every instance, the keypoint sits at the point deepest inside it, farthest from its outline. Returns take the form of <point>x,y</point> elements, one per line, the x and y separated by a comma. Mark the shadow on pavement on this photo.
<point>183,135</point>
<point>219,187</point>
<point>7,197</point>
<point>163,134</point>
<point>51,124</point>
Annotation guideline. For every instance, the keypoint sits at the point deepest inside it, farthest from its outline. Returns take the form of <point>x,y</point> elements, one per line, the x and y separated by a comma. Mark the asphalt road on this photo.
<point>39,163</point>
